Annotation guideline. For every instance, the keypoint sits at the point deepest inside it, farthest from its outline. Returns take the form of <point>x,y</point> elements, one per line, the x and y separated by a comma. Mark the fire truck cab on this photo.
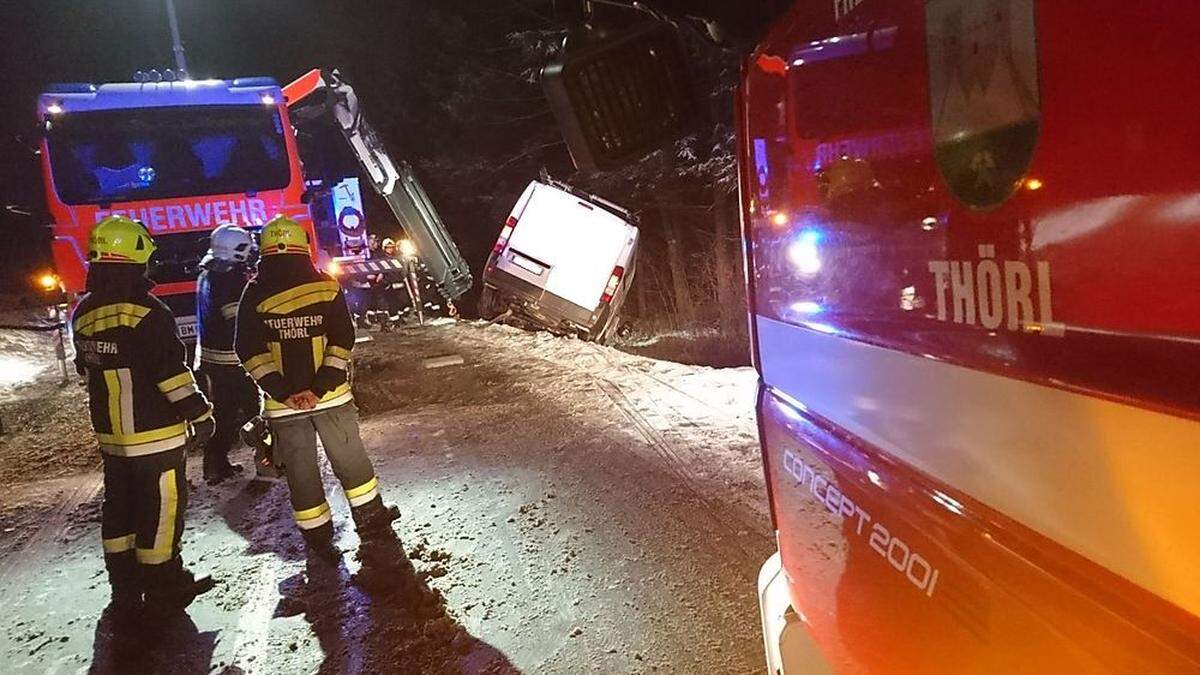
<point>187,156</point>
<point>972,231</point>
<point>182,157</point>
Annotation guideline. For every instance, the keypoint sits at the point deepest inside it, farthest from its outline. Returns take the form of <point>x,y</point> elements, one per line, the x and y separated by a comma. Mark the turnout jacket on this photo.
<point>141,395</point>
<point>294,333</point>
<point>218,291</point>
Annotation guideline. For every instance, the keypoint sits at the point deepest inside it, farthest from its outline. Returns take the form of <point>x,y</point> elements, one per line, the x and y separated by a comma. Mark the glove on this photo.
<point>202,431</point>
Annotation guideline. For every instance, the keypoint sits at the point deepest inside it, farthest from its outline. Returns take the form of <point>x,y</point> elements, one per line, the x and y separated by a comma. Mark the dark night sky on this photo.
<point>439,78</point>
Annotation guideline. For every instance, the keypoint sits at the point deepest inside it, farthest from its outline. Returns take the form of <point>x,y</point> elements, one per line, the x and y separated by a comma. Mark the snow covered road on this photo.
<point>569,509</point>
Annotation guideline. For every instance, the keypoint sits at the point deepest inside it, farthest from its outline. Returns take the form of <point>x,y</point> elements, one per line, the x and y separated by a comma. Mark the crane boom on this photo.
<point>395,181</point>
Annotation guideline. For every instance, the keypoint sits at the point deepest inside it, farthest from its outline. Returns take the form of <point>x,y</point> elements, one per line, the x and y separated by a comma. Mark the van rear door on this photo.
<point>574,242</point>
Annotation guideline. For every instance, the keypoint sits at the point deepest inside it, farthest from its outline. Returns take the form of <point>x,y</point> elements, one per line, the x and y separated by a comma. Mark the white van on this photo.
<point>564,261</point>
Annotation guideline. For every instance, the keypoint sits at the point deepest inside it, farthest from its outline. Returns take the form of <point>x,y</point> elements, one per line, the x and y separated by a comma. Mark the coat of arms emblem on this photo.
<point>984,96</point>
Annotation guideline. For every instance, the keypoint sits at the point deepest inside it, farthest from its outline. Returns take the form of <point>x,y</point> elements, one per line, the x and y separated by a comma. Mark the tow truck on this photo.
<point>184,156</point>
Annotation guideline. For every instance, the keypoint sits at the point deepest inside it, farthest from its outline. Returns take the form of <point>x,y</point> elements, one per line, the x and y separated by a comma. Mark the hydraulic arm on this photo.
<point>334,99</point>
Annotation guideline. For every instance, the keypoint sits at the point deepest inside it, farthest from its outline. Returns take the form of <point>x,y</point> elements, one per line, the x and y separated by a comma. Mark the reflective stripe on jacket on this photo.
<point>296,336</point>
<point>140,394</point>
<point>217,295</point>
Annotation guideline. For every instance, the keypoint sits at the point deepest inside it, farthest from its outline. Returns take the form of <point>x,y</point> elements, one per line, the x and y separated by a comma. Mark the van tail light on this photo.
<point>509,226</point>
<point>614,281</point>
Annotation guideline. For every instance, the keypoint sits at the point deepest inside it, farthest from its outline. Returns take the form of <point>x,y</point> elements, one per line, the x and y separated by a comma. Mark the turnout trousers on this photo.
<point>235,400</point>
<point>296,450</point>
<point>141,524</point>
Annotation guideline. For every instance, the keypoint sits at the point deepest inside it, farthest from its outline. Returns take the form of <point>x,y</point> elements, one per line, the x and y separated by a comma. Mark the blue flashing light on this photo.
<point>71,88</point>
<point>807,307</point>
<point>805,252</point>
<point>813,237</point>
<point>127,95</point>
<point>254,82</point>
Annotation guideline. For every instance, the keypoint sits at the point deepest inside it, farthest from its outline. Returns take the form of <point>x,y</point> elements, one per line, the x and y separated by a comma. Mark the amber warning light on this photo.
<point>48,282</point>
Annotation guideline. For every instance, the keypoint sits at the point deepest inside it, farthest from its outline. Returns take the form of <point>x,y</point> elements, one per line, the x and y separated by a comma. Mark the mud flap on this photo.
<point>789,647</point>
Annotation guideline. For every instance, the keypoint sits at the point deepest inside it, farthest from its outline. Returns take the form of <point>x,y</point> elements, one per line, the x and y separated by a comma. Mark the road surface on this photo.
<point>568,508</point>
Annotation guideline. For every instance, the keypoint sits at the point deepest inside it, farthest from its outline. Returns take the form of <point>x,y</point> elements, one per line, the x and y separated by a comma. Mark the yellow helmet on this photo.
<point>284,235</point>
<point>118,239</point>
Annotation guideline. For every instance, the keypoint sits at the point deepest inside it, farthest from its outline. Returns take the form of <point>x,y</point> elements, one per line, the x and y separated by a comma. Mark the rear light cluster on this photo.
<point>509,225</point>
<point>614,281</point>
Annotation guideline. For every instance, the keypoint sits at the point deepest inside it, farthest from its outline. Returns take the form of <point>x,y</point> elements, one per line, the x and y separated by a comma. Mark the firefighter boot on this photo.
<point>217,467</point>
<point>171,587</point>
<point>126,602</point>
<point>319,545</point>
<point>374,520</point>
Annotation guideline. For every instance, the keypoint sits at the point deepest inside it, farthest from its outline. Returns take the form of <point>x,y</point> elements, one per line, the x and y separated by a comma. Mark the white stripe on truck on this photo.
<point>1112,482</point>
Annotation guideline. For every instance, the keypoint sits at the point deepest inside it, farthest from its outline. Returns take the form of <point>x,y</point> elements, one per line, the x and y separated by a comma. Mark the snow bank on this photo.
<point>697,391</point>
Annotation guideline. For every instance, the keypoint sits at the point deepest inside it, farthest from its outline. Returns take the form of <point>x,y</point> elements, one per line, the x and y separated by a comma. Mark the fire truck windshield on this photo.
<point>101,157</point>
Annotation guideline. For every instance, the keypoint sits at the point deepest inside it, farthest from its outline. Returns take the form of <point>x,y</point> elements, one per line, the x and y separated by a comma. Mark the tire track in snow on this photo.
<point>80,490</point>
<point>743,529</point>
<point>747,524</point>
<point>713,510</point>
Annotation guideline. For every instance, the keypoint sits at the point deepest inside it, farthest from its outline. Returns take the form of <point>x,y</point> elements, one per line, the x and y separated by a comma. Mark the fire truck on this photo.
<point>184,156</point>
<point>971,231</point>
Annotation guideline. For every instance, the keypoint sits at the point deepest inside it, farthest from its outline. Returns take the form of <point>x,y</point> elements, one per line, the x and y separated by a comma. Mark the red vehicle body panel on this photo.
<point>164,217</point>
<point>972,231</point>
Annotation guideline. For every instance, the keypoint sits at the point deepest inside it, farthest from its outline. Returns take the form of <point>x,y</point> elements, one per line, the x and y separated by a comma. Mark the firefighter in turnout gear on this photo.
<point>225,271</point>
<point>146,409</point>
<point>294,336</point>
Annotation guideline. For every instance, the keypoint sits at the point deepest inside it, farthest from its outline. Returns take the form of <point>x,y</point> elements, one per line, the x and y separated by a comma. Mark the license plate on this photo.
<point>528,265</point>
<point>186,328</point>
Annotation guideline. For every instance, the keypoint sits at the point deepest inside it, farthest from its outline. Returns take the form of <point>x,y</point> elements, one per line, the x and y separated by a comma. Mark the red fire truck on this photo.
<point>186,156</point>
<point>182,157</point>
<point>972,230</point>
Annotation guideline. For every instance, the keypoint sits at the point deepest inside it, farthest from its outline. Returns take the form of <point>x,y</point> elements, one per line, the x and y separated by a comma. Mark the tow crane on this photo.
<point>323,97</point>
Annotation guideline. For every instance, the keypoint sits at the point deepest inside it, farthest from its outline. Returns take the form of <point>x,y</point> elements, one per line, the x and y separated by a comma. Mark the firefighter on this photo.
<point>225,271</point>
<point>294,336</point>
<point>146,410</point>
<point>385,302</point>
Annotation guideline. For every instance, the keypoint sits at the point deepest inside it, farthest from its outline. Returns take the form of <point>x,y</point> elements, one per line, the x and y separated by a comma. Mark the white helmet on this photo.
<point>233,244</point>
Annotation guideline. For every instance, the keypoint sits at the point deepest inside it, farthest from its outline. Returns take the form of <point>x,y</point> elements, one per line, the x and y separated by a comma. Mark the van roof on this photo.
<point>594,200</point>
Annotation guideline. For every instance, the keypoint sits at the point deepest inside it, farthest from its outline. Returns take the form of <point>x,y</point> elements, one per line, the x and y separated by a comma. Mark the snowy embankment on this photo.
<point>698,389</point>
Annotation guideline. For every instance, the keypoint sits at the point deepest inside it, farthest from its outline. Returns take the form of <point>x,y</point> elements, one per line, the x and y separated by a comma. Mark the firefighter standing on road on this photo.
<point>146,409</point>
<point>384,301</point>
<point>294,336</point>
<point>225,272</point>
